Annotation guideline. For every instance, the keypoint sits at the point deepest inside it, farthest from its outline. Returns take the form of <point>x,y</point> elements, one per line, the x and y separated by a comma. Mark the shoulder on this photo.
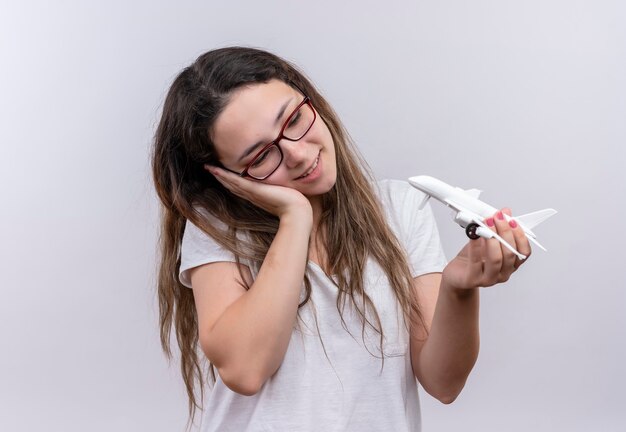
<point>392,191</point>
<point>414,224</point>
<point>398,196</point>
<point>197,247</point>
<point>401,204</point>
<point>196,237</point>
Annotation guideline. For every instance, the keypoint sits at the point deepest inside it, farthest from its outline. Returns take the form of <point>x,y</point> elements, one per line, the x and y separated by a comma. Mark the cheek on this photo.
<point>327,138</point>
<point>279,178</point>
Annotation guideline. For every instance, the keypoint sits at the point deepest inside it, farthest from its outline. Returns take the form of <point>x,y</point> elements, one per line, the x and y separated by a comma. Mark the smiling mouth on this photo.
<point>310,170</point>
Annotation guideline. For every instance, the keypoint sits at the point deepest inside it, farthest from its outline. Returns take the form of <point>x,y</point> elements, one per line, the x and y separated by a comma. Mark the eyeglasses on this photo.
<point>269,158</point>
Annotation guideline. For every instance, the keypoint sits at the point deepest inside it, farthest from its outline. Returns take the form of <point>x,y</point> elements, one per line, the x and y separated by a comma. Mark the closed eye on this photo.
<point>295,119</point>
<point>259,160</point>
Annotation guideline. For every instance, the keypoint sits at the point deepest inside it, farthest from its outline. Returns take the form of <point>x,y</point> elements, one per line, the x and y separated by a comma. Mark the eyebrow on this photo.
<point>252,148</point>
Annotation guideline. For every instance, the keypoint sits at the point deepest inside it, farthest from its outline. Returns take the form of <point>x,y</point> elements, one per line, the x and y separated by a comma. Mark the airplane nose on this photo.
<point>426,179</point>
<point>424,183</point>
<point>420,180</point>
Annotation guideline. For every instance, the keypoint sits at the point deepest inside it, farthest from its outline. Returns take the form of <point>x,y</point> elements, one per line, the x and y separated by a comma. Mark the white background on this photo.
<point>525,100</point>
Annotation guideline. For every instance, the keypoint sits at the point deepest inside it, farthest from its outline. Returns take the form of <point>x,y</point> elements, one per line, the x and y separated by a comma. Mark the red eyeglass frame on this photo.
<point>275,142</point>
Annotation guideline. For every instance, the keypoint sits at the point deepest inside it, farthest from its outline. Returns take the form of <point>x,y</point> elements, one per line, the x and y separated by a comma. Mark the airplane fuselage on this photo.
<point>444,192</point>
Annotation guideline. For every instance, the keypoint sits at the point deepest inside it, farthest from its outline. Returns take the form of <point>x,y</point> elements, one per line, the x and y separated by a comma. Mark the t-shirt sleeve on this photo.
<point>197,249</point>
<point>416,229</point>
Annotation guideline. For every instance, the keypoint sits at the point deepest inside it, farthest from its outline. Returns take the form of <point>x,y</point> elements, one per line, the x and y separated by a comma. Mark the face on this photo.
<point>254,116</point>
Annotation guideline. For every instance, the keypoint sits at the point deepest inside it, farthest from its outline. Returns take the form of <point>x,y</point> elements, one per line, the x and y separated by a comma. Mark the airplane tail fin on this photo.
<point>531,220</point>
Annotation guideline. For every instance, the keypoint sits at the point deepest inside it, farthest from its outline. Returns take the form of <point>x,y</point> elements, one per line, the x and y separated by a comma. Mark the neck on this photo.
<point>317,252</point>
<point>316,205</point>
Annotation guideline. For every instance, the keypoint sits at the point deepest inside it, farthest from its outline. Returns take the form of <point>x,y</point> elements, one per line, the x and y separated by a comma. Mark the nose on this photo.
<point>294,152</point>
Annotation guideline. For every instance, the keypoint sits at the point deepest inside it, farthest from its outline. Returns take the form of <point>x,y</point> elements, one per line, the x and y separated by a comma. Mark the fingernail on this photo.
<point>500,216</point>
<point>512,223</point>
<point>490,222</point>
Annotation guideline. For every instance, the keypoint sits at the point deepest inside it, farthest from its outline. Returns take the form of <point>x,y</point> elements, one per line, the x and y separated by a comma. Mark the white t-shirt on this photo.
<point>341,388</point>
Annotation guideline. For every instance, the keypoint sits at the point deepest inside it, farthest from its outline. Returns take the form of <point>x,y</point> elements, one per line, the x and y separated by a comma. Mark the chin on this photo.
<point>321,188</point>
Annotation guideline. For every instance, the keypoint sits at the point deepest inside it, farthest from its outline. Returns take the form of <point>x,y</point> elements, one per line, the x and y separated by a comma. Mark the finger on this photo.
<point>521,241</point>
<point>504,230</point>
<point>493,262</point>
<point>475,250</point>
<point>491,223</point>
<point>219,174</point>
<point>489,253</point>
<point>233,182</point>
<point>235,185</point>
<point>212,169</point>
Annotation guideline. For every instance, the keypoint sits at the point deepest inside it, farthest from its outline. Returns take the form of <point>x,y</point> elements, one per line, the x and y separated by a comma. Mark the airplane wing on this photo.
<point>466,216</point>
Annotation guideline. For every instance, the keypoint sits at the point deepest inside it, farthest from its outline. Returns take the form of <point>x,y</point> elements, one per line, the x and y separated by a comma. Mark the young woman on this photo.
<point>318,295</point>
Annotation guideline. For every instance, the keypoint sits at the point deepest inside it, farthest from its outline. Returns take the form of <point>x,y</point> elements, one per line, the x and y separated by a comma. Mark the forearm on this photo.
<point>253,333</point>
<point>450,352</point>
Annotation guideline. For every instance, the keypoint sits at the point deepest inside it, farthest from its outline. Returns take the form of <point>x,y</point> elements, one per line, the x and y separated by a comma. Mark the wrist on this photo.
<point>455,291</point>
<point>300,215</point>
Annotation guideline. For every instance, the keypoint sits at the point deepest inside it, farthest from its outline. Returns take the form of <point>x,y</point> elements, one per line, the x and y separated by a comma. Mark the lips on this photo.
<point>311,168</point>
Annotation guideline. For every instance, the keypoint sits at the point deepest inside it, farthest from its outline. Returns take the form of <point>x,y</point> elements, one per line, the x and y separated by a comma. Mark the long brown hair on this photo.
<point>352,223</point>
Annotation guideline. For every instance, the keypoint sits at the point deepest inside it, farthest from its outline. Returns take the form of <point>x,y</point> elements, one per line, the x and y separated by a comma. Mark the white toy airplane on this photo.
<point>471,212</point>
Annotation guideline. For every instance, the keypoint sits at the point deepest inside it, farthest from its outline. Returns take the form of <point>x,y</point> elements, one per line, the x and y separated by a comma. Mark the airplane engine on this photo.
<point>463,219</point>
<point>472,229</point>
